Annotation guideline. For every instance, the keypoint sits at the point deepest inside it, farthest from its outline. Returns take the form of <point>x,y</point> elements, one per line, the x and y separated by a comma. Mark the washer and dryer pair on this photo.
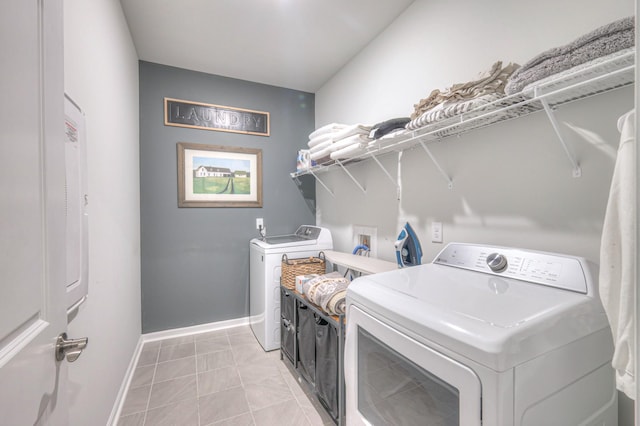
<point>264,276</point>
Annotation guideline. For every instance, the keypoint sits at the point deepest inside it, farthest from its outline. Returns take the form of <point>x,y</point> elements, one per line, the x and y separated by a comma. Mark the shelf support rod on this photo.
<point>440,169</point>
<point>577,171</point>
<point>364,191</point>
<point>322,183</point>
<point>383,169</point>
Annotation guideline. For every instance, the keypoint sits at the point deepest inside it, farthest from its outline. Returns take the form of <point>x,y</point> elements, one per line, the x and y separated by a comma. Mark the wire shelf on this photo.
<point>580,82</point>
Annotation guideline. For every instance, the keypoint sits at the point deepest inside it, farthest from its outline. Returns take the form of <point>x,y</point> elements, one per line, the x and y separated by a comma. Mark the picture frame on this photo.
<point>219,176</point>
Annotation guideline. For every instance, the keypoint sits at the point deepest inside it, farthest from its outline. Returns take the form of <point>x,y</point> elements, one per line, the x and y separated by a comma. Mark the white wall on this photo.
<point>436,43</point>
<point>101,75</point>
<point>512,181</point>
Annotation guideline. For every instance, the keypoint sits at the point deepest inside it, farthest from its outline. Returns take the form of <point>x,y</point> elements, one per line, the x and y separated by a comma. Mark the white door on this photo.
<point>32,224</point>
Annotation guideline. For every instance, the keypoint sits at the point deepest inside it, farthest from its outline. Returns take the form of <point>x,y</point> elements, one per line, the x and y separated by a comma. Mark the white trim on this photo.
<point>161,335</point>
<point>124,387</point>
<point>196,329</point>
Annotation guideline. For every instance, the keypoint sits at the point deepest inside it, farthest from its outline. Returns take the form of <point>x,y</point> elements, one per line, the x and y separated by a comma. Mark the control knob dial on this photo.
<point>497,262</point>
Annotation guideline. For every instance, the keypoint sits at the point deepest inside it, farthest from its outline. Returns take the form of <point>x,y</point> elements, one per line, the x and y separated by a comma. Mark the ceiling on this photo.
<point>297,44</point>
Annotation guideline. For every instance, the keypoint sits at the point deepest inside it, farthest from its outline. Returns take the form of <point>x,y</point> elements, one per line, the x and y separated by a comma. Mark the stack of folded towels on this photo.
<point>338,141</point>
<point>462,97</point>
<point>602,42</point>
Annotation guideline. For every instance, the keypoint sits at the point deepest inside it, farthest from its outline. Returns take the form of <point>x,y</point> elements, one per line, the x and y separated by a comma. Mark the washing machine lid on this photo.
<point>498,321</point>
<point>305,236</point>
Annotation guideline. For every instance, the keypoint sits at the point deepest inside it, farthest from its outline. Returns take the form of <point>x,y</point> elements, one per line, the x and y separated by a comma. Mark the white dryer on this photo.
<point>264,277</point>
<point>484,335</point>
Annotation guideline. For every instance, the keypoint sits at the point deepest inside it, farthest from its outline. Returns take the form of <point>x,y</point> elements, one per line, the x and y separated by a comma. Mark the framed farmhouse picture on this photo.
<point>219,176</point>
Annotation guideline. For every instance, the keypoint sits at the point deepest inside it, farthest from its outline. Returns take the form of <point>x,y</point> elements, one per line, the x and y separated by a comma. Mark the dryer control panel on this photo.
<point>551,269</point>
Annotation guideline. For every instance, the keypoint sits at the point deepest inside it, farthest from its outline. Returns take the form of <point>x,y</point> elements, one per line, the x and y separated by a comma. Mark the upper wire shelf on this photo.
<point>578,83</point>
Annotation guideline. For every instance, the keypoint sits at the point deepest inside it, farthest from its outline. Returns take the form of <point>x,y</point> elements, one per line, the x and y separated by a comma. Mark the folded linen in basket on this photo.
<point>327,128</point>
<point>337,303</point>
<point>323,289</point>
<point>602,41</point>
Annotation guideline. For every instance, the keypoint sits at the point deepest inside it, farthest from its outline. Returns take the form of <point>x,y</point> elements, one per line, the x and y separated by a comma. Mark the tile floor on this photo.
<point>221,378</point>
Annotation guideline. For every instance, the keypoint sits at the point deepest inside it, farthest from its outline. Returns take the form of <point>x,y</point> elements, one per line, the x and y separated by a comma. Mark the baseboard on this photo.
<point>161,335</point>
<point>195,329</point>
<point>124,387</point>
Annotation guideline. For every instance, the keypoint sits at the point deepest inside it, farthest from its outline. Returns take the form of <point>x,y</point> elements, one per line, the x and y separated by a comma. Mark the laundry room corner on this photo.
<point>195,260</point>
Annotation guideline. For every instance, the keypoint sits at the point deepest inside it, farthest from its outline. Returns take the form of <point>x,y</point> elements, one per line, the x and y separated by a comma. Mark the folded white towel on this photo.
<point>355,129</point>
<point>327,128</point>
<point>316,155</point>
<point>348,152</point>
<point>351,140</point>
<point>321,146</point>
<point>320,139</point>
<point>618,257</point>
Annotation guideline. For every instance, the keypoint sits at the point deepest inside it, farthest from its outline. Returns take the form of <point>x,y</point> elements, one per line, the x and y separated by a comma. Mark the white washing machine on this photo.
<point>264,276</point>
<point>482,336</point>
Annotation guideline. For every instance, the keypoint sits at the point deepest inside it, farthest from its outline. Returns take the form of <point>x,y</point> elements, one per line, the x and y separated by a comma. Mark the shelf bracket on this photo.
<point>442,172</point>
<point>322,183</point>
<point>386,172</point>
<point>364,191</point>
<point>577,171</point>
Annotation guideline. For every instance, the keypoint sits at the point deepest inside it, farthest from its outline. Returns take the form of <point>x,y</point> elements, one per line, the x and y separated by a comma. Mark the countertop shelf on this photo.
<point>364,264</point>
<point>578,83</point>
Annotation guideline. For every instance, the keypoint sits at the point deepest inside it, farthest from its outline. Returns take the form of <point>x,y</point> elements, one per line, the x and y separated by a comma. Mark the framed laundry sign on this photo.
<point>198,115</point>
<point>219,176</point>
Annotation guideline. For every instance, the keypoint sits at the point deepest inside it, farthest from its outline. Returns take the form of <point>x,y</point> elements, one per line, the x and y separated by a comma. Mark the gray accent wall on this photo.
<point>195,261</point>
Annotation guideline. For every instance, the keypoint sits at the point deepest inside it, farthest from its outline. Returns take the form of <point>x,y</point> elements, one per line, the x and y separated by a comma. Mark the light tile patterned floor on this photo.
<point>221,378</point>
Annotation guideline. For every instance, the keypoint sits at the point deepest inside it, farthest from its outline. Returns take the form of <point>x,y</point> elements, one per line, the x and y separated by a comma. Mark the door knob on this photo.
<point>71,348</point>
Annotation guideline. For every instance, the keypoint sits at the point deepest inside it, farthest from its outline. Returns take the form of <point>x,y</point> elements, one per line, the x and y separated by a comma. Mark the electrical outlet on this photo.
<point>436,232</point>
<point>259,223</point>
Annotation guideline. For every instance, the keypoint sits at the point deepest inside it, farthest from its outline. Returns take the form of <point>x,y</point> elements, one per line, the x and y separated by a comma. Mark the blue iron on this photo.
<point>408,249</point>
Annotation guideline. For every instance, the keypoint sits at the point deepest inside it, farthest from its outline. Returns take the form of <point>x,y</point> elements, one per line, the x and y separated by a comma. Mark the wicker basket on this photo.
<point>291,268</point>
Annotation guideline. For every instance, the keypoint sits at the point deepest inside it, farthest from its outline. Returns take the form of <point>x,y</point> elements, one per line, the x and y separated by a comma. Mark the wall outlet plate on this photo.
<point>259,223</point>
<point>436,232</point>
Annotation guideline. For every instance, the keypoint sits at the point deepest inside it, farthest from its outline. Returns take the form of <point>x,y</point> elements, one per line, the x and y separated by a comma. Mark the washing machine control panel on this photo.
<point>551,269</point>
<point>308,232</point>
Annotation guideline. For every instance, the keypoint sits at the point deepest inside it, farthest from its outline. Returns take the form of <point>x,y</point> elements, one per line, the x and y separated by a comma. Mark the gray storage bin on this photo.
<point>327,366</point>
<point>287,327</point>
<point>307,343</point>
